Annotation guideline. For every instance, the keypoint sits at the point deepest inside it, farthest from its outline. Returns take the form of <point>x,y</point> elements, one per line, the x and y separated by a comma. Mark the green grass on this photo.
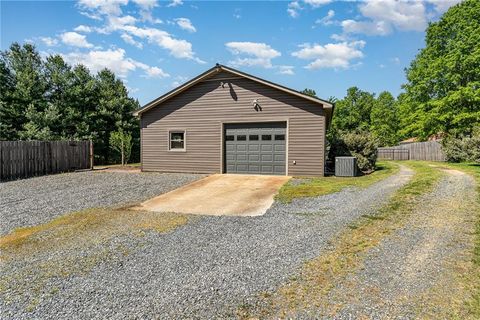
<point>325,185</point>
<point>138,164</point>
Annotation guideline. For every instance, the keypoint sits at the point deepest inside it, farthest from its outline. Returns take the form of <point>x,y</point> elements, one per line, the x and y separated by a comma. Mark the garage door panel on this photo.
<point>253,158</point>
<point>279,169</point>
<point>267,157</point>
<point>279,148</point>
<point>257,148</point>
<point>266,147</point>
<point>267,168</point>
<point>242,157</point>
<point>241,147</point>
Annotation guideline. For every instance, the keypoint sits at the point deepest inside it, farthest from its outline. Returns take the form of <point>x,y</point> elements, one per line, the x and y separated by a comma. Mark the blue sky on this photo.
<point>156,45</point>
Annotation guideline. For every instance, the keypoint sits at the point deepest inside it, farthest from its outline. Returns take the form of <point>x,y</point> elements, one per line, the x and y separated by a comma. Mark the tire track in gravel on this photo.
<point>415,272</point>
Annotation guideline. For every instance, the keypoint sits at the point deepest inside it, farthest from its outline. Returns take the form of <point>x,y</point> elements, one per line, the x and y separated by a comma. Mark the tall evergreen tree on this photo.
<point>50,100</point>
<point>26,67</point>
<point>7,109</point>
<point>114,111</point>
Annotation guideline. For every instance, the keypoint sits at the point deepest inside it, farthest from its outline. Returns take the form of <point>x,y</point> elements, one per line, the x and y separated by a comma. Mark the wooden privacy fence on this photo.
<point>428,151</point>
<point>23,159</point>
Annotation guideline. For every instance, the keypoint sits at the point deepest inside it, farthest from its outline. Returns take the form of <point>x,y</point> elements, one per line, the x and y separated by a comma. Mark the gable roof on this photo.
<point>218,68</point>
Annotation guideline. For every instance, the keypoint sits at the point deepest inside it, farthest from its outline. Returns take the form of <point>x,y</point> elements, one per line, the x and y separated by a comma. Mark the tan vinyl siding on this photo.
<point>201,110</point>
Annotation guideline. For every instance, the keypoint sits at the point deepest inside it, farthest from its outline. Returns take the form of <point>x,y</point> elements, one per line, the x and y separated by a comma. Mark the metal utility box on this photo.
<point>346,167</point>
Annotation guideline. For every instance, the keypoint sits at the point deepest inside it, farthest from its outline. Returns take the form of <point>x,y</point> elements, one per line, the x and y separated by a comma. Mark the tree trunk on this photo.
<point>123,154</point>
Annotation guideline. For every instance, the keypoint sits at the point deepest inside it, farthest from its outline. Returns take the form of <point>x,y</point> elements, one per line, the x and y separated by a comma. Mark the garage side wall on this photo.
<point>203,109</point>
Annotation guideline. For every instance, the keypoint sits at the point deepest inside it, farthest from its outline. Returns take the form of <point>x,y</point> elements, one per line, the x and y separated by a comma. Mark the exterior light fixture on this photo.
<point>256,105</point>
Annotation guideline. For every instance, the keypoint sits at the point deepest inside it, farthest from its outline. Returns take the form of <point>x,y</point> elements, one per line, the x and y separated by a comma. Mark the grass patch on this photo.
<point>320,275</point>
<point>33,259</point>
<point>87,226</point>
<point>325,185</point>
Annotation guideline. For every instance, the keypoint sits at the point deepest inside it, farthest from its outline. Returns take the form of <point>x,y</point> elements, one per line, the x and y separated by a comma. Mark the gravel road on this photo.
<point>204,269</point>
<point>409,275</point>
<point>38,200</point>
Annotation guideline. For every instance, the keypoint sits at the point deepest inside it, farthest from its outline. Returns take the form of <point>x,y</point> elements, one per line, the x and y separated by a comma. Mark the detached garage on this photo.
<point>227,121</point>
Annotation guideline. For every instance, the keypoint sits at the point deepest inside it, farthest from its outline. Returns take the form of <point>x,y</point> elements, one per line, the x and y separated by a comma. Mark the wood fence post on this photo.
<point>91,154</point>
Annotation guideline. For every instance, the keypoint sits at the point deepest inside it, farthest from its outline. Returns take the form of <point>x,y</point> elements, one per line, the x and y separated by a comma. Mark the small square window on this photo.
<point>266,137</point>
<point>279,137</point>
<point>229,138</point>
<point>253,137</point>
<point>241,138</point>
<point>177,140</point>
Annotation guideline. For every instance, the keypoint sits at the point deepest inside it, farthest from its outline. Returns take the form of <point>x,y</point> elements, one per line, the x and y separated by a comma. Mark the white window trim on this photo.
<point>184,140</point>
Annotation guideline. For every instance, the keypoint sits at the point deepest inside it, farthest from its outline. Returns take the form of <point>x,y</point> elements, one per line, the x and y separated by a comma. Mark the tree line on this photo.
<point>441,95</point>
<point>48,99</point>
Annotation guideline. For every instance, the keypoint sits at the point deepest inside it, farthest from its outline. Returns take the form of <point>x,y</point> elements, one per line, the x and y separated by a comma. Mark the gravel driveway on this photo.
<point>204,269</point>
<point>409,275</point>
<point>38,200</point>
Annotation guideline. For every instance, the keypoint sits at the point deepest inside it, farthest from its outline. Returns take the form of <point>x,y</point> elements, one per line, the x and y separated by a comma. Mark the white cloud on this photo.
<point>178,48</point>
<point>75,40</point>
<point>293,9</point>
<point>384,16</point>
<point>150,72</point>
<point>114,60</point>
<point>395,60</point>
<point>259,54</point>
<point>49,42</point>
<point>83,28</point>
<point>253,48</point>
<point>404,15</point>
<point>288,70</point>
<point>185,24</point>
<point>317,3</point>
<point>442,5</point>
<point>331,55</point>
<point>106,7</point>
<point>327,20</point>
<point>339,37</point>
<point>129,39</point>
<point>366,27</point>
<point>146,4</point>
<point>146,7</point>
<point>91,15</point>
<point>175,3</point>
<point>111,12</point>
<point>117,23</point>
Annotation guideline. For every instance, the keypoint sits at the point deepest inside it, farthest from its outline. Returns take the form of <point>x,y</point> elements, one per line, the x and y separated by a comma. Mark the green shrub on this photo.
<point>361,145</point>
<point>462,149</point>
